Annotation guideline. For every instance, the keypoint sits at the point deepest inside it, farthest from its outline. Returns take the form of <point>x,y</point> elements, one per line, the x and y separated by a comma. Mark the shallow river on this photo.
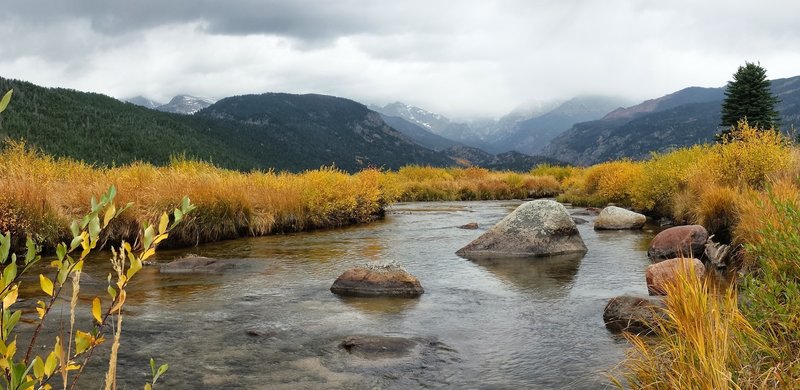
<point>271,322</point>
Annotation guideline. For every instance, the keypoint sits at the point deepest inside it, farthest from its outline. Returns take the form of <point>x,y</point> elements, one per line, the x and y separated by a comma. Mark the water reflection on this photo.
<point>550,276</point>
<point>377,305</point>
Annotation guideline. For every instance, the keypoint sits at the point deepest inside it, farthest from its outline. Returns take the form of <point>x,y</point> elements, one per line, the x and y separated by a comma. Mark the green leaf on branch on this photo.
<point>9,274</point>
<point>5,100</point>
<point>5,246</point>
<point>38,368</point>
<point>61,251</point>
<point>149,234</point>
<point>74,228</point>
<point>31,254</point>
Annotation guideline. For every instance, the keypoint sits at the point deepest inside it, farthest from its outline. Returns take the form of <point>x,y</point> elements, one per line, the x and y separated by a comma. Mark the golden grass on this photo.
<point>702,342</point>
<point>40,194</point>
<point>420,183</point>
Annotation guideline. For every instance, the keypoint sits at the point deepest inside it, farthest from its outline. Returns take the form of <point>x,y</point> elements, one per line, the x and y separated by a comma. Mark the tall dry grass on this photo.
<point>41,194</point>
<point>421,183</point>
<point>702,342</point>
<point>702,184</point>
<point>745,190</point>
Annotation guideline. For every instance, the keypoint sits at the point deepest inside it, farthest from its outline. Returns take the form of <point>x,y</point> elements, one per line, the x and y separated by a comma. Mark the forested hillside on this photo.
<point>270,131</point>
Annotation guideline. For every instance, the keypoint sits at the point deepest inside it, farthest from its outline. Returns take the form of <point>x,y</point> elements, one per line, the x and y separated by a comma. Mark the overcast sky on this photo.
<point>464,59</point>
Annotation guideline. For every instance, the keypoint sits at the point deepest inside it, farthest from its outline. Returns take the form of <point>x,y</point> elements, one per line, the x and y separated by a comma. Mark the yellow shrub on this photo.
<point>757,212</point>
<point>750,157</point>
<point>556,171</point>
<point>418,173</point>
<point>665,175</point>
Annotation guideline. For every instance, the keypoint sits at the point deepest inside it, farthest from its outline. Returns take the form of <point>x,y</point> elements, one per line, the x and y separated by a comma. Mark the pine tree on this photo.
<point>748,96</point>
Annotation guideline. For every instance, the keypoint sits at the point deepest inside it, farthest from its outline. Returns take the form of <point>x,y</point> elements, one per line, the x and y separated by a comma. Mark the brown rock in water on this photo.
<point>536,228</point>
<point>686,241</point>
<point>666,272</point>
<point>196,264</point>
<point>632,314</point>
<point>388,280</point>
<point>469,226</point>
<point>617,218</point>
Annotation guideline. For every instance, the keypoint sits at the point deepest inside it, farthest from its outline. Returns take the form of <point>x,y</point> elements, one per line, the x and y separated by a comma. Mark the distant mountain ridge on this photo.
<point>514,161</point>
<point>686,117</point>
<point>270,131</point>
<point>525,131</point>
<point>530,136</point>
<point>419,134</point>
<point>186,104</point>
<point>180,104</point>
<point>325,130</point>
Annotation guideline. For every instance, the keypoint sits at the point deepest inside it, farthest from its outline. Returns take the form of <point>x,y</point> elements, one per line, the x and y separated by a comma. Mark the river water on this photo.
<point>272,323</point>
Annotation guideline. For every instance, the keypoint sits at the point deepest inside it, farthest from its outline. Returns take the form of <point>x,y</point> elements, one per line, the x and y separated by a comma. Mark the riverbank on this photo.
<point>746,192</point>
<point>41,195</point>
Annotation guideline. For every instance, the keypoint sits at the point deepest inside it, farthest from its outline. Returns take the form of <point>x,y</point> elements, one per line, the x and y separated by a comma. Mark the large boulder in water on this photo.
<point>617,218</point>
<point>661,274</point>
<point>385,280</point>
<point>536,228</point>
<point>632,314</point>
<point>678,241</point>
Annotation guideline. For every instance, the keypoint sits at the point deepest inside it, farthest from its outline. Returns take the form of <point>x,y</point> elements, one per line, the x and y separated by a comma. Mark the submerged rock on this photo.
<point>536,228</point>
<point>469,226</point>
<point>579,221</point>
<point>661,274</point>
<point>617,218</point>
<point>378,347</point>
<point>686,241</point>
<point>196,264</point>
<point>388,280</point>
<point>632,314</point>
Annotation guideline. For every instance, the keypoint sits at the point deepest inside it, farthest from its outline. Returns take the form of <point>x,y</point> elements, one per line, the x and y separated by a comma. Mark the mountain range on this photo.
<point>296,132</point>
<point>686,117</point>
<point>268,131</point>
<point>180,104</point>
<point>524,131</point>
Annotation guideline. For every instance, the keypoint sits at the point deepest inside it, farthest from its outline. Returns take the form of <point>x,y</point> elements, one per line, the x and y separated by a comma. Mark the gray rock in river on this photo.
<point>196,264</point>
<point>632,314</point>
<point>617,218</point>
<point>384,280</point>
<point>536,228</point>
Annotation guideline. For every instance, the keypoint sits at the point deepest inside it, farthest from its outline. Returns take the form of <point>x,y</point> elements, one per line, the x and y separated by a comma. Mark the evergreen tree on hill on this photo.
<point>748,96</point>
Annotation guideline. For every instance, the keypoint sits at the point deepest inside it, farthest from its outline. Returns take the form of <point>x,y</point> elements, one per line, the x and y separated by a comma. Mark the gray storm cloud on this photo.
<point>464,59</point>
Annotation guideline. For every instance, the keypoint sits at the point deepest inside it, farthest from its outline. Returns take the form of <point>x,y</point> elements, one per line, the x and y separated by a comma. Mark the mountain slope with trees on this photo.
<point>270,131</point>
<point>661,125</point>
